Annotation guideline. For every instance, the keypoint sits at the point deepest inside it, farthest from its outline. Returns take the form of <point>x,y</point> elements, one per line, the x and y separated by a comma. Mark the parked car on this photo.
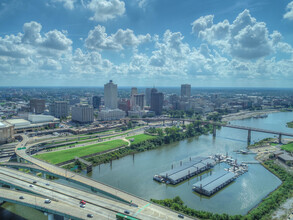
<point>126,212</point>
<point>21,197</point>
<point>82,205</point>
<point>82,202</point>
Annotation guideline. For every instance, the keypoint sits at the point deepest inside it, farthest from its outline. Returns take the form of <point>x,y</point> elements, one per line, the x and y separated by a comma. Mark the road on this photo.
<point>55,207</point>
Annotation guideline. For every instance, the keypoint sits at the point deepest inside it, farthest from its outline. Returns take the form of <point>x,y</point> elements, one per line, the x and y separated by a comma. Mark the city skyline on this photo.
<point>85,43</point>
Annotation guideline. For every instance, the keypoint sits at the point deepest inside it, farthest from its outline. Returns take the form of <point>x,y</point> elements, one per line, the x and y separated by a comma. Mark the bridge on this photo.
<point>215,125</point>
<point>115,197</point>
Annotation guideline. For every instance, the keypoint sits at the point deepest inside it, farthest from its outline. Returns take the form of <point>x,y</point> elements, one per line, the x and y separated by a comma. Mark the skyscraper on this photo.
<point>139,100</point>
<point>185,90</point>
<point>157,99</point>
<point>132,99</point>
<point>96,101</point>
<point>110,95</point>
<point>37,106</point>
<point>148,96</point>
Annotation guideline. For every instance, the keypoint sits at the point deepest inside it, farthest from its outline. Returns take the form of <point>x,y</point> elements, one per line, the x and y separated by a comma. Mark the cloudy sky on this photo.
<point>211,43</point>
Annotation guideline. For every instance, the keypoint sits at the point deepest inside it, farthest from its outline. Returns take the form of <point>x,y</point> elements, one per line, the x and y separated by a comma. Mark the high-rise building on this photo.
<point>132,99</point>
<point>82,113</point>
<point>110,95</point>
<point>157,100</point>
<point>59,109</point>
<point>139,100</point>
<point>96,102</point>
<point>185,90</point>
<point>37,106</point>
<point>148,96</point>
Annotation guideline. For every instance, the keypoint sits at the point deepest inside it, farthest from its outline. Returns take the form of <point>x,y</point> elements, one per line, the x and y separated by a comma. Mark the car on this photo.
<point>180,216</point>
<point>126,212</point>
<point>21,197</point>
<point>34,181</point>
<point>82,205</point>
<point>82,202</point>
<point>47,184</point>
<point>47,201</point>
<point>90,216</point>
<point>31,185</point>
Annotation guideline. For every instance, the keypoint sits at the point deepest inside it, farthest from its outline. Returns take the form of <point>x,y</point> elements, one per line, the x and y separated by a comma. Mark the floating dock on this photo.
<point>187,170</point>
<point>214,183</point>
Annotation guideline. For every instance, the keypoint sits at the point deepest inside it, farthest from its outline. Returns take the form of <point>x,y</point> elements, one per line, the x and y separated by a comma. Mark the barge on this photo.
<point>211,184</point>
<point>187,170</point>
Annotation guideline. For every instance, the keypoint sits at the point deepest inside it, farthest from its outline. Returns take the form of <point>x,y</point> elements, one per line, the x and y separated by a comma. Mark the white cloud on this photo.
<point>245,38</point>
<point>289,13</point>
<point>202,23</point>
<point>68,4</point>
<point>106,9</point>
<point>56,40</point>
<point>99,40</point>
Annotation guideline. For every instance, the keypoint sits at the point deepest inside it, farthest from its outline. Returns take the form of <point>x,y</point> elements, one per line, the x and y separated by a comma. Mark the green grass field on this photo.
<point>65,155</point>
<point>140,137</point>
<point>288,147</point>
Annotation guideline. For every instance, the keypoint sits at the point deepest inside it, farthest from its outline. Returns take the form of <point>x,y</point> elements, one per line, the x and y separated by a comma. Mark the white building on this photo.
<point>82,114</point>
<point>41,118</point>
<point>110,95</point>
<point>111,114</point>
<point>6,132</point>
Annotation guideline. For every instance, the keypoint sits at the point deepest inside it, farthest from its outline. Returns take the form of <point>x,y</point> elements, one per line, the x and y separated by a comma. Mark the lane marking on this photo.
<point>141,209</point>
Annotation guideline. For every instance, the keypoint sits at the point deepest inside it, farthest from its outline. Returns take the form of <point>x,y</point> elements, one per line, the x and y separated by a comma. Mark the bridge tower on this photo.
<point>214,130</point>
<point>280,138</point>
<point>249,136</point>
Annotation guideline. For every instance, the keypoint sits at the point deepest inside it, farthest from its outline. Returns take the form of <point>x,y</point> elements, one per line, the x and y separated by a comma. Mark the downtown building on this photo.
<point>97,102</point>
<point>157,101</point>
<point>110,95</point>
<point>185,90</point>
<point>59,109</point>
<point>37,106</point>
<point>82,114</point>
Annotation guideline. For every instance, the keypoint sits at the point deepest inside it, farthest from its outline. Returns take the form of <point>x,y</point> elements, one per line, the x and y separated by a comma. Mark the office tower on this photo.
<point>148,96</point>
<point>59,109</point>
<point>110,95</point>
<point>185,90</point>
<point>132,100</point>
<point>82,113</point>
<point>96,102</point>
<point>37,106</point>
<point>139,100</point>
<point>157,99</point>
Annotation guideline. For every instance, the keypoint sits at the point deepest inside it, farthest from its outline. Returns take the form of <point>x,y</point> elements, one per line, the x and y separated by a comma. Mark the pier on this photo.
<point>185,171</point>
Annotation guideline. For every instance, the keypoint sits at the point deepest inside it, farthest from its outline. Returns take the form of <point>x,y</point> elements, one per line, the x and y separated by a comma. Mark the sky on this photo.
<point>211,43</point>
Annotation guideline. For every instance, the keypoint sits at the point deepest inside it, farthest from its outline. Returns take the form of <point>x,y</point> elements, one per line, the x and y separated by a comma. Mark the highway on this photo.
<point>55,207</point>
<point>70,195</point>
<point>147,209</point>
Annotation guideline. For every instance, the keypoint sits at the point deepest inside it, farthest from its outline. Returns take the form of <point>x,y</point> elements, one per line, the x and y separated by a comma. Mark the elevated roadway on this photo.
<point>151,211</point>
<point>59,192</point>
<point>37,202</point>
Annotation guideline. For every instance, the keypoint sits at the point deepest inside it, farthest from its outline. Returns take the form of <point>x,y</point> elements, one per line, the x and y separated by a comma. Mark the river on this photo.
<point>134,174</point>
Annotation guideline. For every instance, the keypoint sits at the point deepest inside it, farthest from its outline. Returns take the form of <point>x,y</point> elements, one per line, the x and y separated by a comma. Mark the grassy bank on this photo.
<point>288,147</point>
<point>146,142</point>
<point>139,138</point>
<point>69,154</point>
<point>264,209</point>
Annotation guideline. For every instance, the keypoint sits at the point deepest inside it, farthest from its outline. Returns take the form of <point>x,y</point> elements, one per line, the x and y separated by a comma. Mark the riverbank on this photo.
<point>247,114</point>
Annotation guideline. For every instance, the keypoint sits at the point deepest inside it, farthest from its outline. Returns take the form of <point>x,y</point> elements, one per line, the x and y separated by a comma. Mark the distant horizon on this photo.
<point>192,87</point>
